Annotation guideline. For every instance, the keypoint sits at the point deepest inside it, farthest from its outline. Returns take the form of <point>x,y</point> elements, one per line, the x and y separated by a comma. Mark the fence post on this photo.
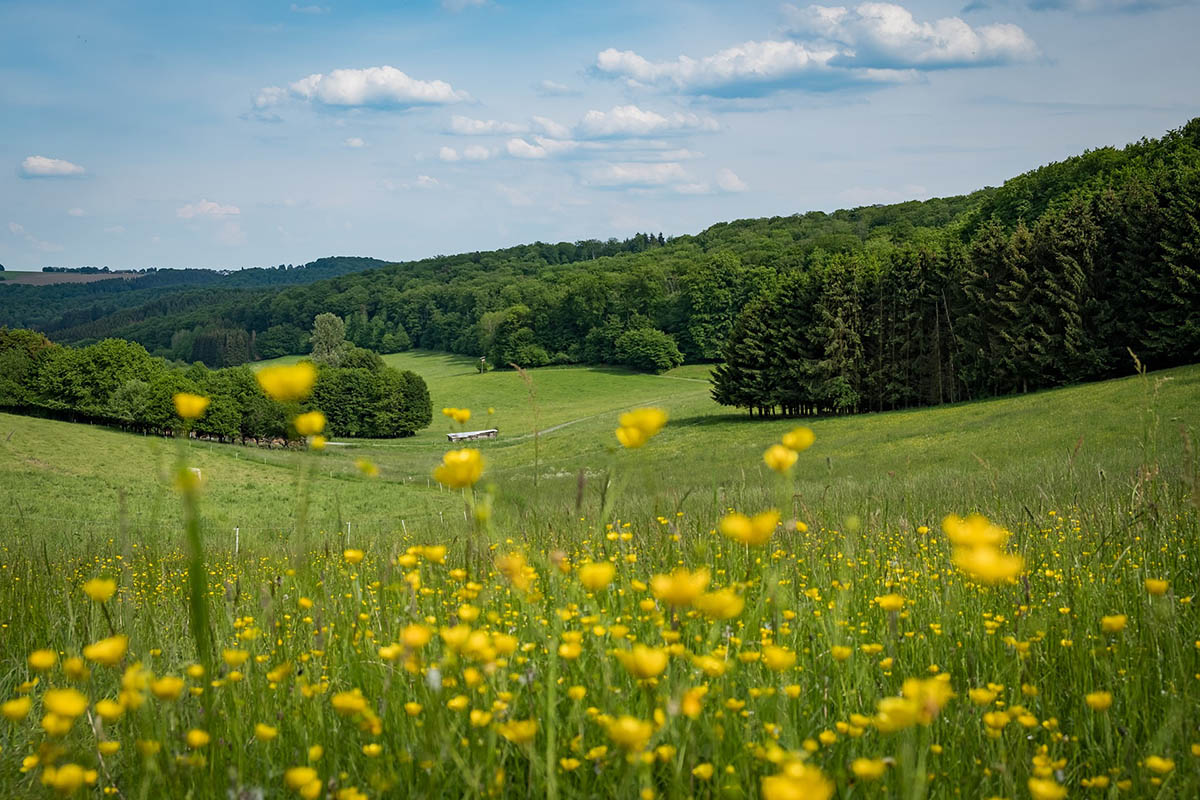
<point>237,540</point>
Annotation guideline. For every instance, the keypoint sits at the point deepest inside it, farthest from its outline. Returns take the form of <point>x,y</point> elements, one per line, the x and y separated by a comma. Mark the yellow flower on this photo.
<point>168,687</point>
<point>721,604</point>
<point>569,764</point>
<point>197,738</point>
<point>372,750</point>
<point>643,662</point>
<point>67,703</point>
<point>597,575</point>
<point>234,658</point>
<point>691,702</point>
<point>459,469</point>
<point>66,779</point>
<point>107,651</point>
<point>264,732</point>
<point>703,771</point>
<point>353,556</point>
<point>518,731</point>
<point>190,406</point>
<point>1114,623</point>
<point>317,442</point>
<point>982,696</point>
<point>973,531</point>
<point>309,424</point>
<point>988,564</point>
<point>753,531</point>
<point>366,467</point>
<point>930,695</point>
<point>413,709</point>
<point>570,650</point>
<point>681,587</point>
<point>461,415</point>
<point>1156,586</point>
<point>349,703</point>
<point>840,652</point>
<point>868,769</point>
<point>778,659</point>
<point>629,732</point>
<point>458,703</point>
<point>780,458</point>
<point>109,710</point>
<point>100,589</point>
<point>1046,789</point>
<point>797,781</point>
<point>799,439</point>
<point>1099,701</point>
<point>1159,765</point>
<point>42,660</point>
<point>638,426</point>
<point>108,748</point>
<point>288,383</point>
<point>297,778</point>
<point>890,602</point>
<point>16,709</point>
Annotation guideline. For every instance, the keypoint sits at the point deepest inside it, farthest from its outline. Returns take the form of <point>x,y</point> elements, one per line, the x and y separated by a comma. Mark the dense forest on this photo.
<point>116,382</point>
<point>1044,280</point>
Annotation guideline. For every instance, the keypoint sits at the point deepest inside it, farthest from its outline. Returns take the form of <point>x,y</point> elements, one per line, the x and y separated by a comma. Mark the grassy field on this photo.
<point>854,654</point>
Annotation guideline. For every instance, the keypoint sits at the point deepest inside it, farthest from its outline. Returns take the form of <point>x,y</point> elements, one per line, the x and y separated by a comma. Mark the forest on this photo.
<point>1049,279</point>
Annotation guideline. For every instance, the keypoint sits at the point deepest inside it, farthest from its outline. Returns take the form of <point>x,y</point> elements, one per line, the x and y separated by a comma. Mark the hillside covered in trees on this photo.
<point>1044,280</point>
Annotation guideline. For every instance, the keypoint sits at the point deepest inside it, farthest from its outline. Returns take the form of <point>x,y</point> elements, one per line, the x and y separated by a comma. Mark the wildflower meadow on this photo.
<point>775,642</point>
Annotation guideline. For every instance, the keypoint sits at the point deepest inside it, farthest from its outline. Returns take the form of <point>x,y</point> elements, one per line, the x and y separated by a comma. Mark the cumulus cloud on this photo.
<point>448,154</point>
<point>355,141</point>
<point>376,87</point>
<point>17,229</point>
<point>632,121</point>
<point>541,147</point>
<point>426,182</point>
<point>548,88</point>
<point>42,167</point>
<point>639,175</point>
<point>728,181</point>
<point>465,126</point>
<point>476,152</point>
<point>206,208</point>
<point>887,36</point>
<point>551,128</point>
<point>748,69</point>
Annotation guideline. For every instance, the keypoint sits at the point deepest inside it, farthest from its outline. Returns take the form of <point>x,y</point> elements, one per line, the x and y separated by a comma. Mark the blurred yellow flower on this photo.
<point>1099,701</point>
<point>42,660</point>
<point>460,469</point>
<point>681,587</point>
<point>348,703</point>
<point>353,556</point>
<point>100,589</point>
<point>309,424</point>
<point>703,771</point>
<point>778,659</point>
<point>721,604</point>
<point>1156,586</point>
<point>366,467</point>
<point>1046,789</point>
<point>197,738</point>
<point>168,687</point>
<point>629,732</point>
<point>638,426</point>
<point>107,651</point>
<point>868,769</point>
<point>799,439</point>
<point>840,652</point>
<point>797,781</point>
<point>16,709</point>
<point>1159,764</point>
<point>890,602</point>
<point>288,383</point>
<point>596,575</point>
<point>753,531</point>
<point>518,731</point>
<point>780,458</point>
<point>109,710</point>
<point>1114,623</point>
<point>643,662</point>
<point>264,732</point>
<point>190,406</point>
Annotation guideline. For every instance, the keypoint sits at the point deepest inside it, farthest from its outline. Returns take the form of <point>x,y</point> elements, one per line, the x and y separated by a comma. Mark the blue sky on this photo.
<point>258,133</point>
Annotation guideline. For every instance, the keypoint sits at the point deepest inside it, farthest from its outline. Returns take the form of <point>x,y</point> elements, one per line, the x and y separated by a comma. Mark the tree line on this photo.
<point>1112,267</point>
<point>116,382</point>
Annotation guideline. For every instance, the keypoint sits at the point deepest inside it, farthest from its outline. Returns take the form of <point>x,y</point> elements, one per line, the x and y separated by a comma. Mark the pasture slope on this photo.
<point>536,637</point>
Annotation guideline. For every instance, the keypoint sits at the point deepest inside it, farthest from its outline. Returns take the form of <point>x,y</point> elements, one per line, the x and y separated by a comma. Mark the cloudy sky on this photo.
<point>231,134</point>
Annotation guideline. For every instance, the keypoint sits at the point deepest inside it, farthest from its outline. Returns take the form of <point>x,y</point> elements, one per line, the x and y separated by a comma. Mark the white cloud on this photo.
<point>551,128</point>
<point>887,36</point>
<point>477,153</point>
<point>748,69</point>
<point>206,208</point>
<point>269,96</point>
<point>231,234</point>
<point>385,87</point>
<point>312,9</point>
<point>426,182</point>
<point>76,212</point>
<point>448,154</point>
<point>644,175</point>
<point>548,88</point>
<point>632,121</point>
<point>540,148</point>
<point>17,229</point>
<point>355,141</point>
<point>465,126</point>
<point>42,167</point>
<point>728,181</point>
